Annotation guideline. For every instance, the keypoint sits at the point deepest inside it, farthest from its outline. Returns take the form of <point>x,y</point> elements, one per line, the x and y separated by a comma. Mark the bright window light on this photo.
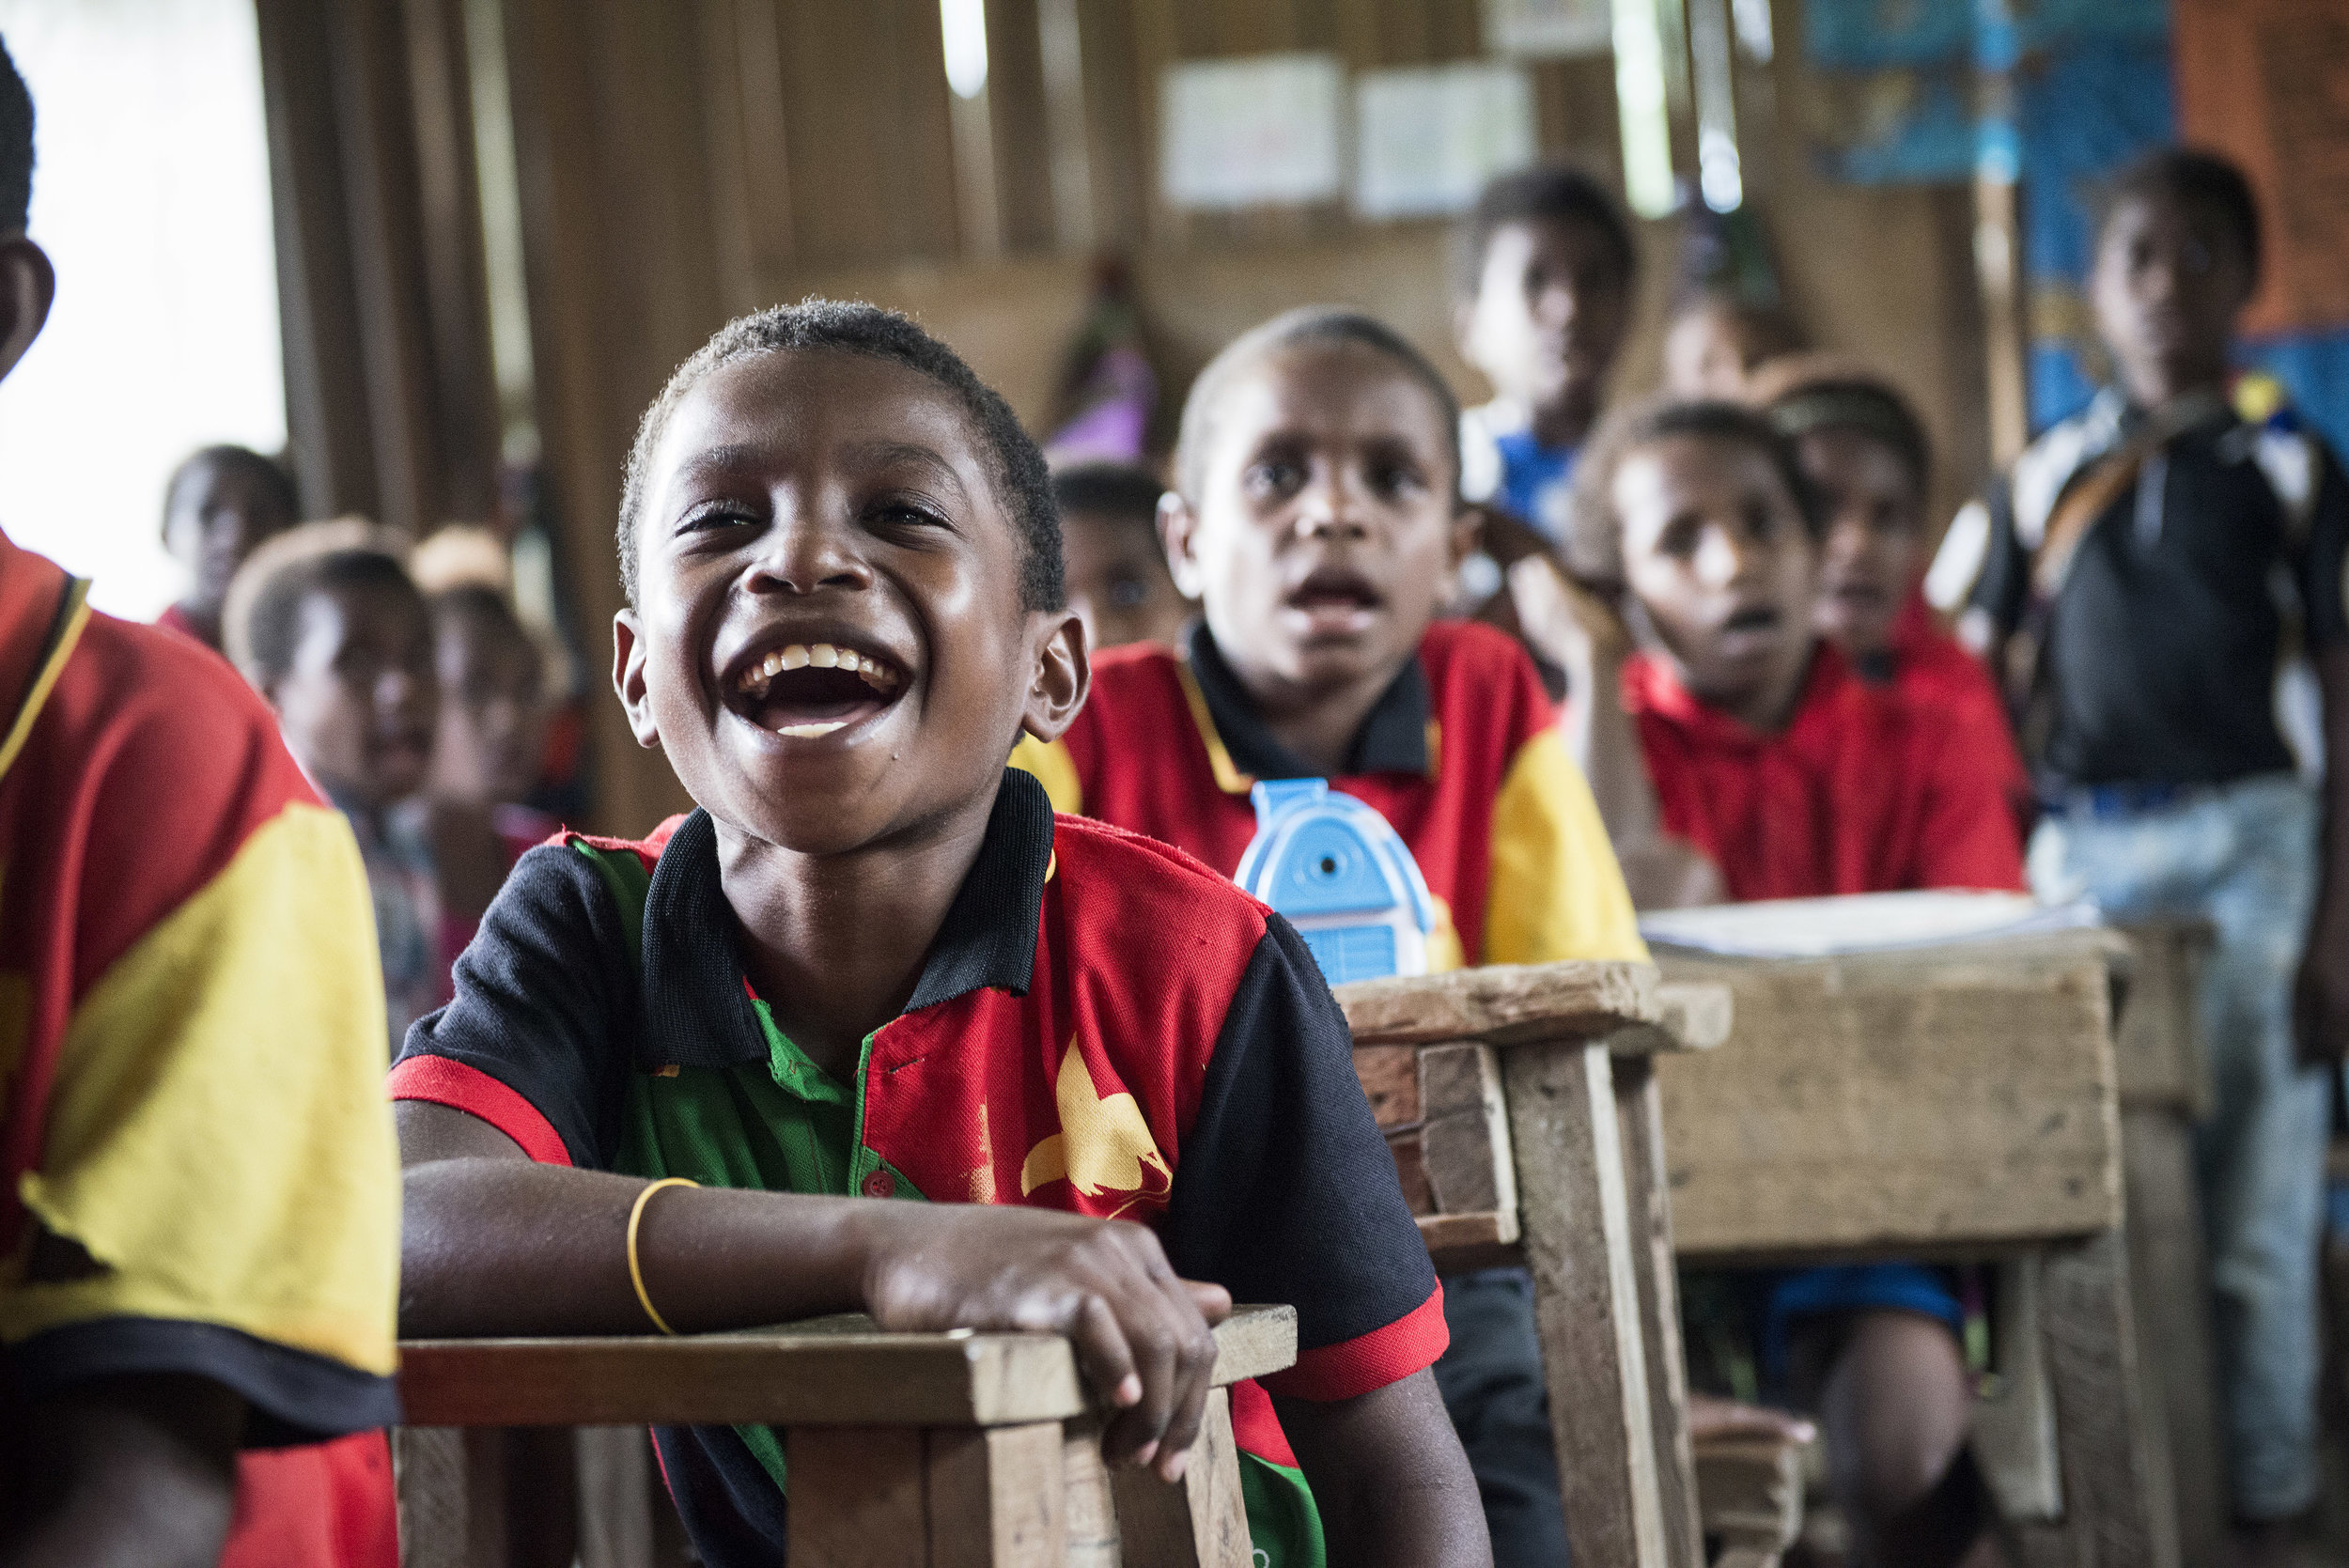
<point>1640,98</point>
<point>963,23</point>
<point>150,192</point>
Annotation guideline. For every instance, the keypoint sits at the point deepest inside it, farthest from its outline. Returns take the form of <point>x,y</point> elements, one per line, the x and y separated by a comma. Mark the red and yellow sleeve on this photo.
<point>215,1151</point>
<point>1556,891</point>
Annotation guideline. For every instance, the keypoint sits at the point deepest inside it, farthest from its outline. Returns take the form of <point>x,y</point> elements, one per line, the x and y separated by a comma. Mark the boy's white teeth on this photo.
<point>809,732</point>
<point>820,656</point>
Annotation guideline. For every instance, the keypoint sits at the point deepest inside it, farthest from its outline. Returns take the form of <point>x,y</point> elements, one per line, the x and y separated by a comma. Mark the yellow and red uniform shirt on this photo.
<point>1101,1026</point>
<point>1867,790</point>
<point>197,1173</point>
<point>1461,754</point>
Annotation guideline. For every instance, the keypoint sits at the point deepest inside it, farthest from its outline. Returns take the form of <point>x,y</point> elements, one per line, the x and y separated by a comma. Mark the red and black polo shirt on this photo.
<point>1102,1026</point>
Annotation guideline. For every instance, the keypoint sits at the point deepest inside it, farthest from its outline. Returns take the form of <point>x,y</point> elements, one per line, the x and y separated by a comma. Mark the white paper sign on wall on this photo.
<point>1263,130</point>
<point>1428,139</point>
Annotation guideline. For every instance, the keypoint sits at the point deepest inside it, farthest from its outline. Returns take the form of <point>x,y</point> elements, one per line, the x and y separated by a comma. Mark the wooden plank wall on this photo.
<point>682,163</point>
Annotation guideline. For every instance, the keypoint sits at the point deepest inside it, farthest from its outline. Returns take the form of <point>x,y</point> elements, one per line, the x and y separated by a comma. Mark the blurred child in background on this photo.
<point>1544,299</point>
<point>2147,567</point>
<point>1716,342</point>
<point>1869,462</point>
<point>328,626</point>
<point>1117,576</point>
<point>222,505</point>
<point>1798,780</point>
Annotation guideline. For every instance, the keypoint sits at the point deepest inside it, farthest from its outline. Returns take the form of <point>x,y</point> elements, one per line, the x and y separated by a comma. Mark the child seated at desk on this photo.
<point>1316,518</point>
<point>1797,780</point>
<point>1117,576</point>
<point>327,626</point>
<point>1869,462</point>
<point>223,503</point>
<point>873,962</point>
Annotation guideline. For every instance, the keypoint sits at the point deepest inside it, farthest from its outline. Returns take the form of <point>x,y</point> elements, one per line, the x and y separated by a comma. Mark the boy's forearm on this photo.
<point>509,1247</point>
<point>1390,1481</point>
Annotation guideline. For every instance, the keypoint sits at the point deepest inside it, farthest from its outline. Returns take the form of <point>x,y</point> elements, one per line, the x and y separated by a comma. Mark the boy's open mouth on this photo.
<point>1337,600</point>
<point>1754,617</point>
<point>806,689</point>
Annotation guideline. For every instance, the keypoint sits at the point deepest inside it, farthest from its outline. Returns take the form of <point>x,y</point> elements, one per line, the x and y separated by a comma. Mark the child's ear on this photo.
<point>1063,674</point>
<point>1179,532</point>
<point>628,678</point>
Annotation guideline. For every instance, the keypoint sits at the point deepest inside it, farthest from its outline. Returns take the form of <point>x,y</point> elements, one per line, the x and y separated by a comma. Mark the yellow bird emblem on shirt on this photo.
<point>1104,1145</point>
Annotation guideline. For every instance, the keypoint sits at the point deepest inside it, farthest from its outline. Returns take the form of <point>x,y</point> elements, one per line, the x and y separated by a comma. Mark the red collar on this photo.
<point>1650,686</point>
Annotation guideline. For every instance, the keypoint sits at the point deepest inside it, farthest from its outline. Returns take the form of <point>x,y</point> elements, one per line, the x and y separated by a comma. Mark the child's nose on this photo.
<point>1725,557</point>
<point>1329,504</point>
<point>799,556</point>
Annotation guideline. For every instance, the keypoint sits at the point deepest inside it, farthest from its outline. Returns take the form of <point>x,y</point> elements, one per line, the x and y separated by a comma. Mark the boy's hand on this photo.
<point>1142,1335</point>
<point>1566,621</point>
<point>2320,996</point>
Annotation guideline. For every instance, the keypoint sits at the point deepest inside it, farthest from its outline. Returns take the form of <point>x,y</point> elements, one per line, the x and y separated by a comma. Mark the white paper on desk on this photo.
<point>1549,29</point>
<point>1428,139</point>
<point>1251,132</point>
<point>1861,922</point>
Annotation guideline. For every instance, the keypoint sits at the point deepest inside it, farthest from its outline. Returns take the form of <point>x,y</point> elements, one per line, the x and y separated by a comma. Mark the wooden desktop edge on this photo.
<point>828,1372</point>
<point>1626,1004</point>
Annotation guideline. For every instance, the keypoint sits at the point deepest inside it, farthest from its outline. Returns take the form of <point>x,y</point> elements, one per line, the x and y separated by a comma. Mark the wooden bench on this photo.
<point>905,1451</point>
<point>1522,1108</point>
<point>1955,1103</point>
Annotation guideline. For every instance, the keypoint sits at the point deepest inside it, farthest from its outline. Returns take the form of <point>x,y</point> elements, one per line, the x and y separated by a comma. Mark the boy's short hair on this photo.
<point>1122,491</point>
<point>1594,536</point>
<point>264,468</point>
<point>16,147</point>
<point>1802,393</point>
<point>261,621</point>
<point>2195,177</point>
<point>1556,192</point>
<point>855,328</point>
<point>1305,324</point>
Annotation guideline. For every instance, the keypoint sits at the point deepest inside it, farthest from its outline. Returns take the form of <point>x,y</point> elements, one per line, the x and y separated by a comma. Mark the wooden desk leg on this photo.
<point>2090,1338</point>
<point>1586,1301</point>
<point>1199,1522</point>
<point>997,1499</point>
<point>1639,1116</point>
<point>857,1497</point>
<point>2170,1292</point>
<point>450,1483</point>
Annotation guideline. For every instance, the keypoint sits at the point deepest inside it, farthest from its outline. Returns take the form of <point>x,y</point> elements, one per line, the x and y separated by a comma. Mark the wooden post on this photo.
<point>1639,1118</point>
<point>1578,1244</point>
<point>1199,1522</point>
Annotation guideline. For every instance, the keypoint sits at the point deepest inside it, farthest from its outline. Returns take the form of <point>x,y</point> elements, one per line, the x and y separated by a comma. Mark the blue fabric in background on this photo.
<point>2085,111</point>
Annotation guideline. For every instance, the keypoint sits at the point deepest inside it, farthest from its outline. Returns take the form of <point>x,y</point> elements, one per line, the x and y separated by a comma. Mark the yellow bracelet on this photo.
<point>635,1269</point>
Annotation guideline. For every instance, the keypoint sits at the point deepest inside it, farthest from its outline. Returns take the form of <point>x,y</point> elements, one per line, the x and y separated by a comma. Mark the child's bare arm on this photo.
<point>494,1243</point>
<point>1588,640</point>
<point>1389,1479</point>
<point>122,1472</point>
<point>2322,997</point>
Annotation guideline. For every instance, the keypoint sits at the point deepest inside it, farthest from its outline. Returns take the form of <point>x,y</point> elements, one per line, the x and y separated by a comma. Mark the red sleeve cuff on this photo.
<point>443,1080</point>
<point>1333,1371</point>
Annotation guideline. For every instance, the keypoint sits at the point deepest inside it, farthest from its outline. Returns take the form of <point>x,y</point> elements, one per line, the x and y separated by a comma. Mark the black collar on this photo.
<point>1393,739</point>
<point>697,1011</point>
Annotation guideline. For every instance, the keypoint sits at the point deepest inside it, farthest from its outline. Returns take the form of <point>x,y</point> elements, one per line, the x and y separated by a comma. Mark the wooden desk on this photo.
<point>911,1451</point>
<point>1952,1102</point>
<point>1522,1110</point>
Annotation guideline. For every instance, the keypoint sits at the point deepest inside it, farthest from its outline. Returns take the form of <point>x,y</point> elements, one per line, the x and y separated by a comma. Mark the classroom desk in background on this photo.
<point>1956,1103</point>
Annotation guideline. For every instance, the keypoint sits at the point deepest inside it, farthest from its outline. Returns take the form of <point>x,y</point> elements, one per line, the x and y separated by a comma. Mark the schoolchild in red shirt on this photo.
<point>1800,779</point>
<point>1869,463</point>
<point>873,964</point>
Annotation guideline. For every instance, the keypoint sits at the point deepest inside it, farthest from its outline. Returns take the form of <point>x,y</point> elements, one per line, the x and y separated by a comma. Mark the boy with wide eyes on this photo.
<point>1316,518</point>
<point>873,965</point>
<point>2143,571</point>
